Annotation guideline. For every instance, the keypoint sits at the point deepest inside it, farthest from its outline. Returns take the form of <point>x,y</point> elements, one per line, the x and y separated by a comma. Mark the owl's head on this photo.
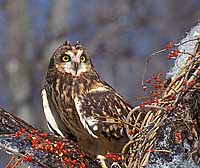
<point>71,58</point>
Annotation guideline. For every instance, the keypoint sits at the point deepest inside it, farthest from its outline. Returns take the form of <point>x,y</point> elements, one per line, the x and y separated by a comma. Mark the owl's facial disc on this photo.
<point>76,62</point>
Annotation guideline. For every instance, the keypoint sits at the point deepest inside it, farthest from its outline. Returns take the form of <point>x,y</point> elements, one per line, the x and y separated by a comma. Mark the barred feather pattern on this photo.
<point>83,107</point>
<point>101,110</point>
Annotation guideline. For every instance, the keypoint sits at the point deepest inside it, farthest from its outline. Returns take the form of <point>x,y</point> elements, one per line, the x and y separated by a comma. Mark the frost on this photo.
<point>186,48</point>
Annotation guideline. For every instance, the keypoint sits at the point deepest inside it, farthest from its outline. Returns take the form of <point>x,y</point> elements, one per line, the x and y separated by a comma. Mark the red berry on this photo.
<point>81,156</point>
<point>46,141</point>
<point>192,83</point>
<point>43,135</point>
<point>147,81</point>
<point>158,80</point>
<point>74,162</point>
<point>28,159</point>
<point>155,94</point>
<point>198,73</point>
<point>67,160</point>
<point>142,106</point>
<point>82,165</point>
<point>30,136</point>
<point>64,152</point>
<point>168,108</point>
<point>169,56</point>
<point>34,131</point>
<point>23,130</point>
<point>131,132</point>
<point>170,45</point>
<point>155,85</point>
<point>178,137</point>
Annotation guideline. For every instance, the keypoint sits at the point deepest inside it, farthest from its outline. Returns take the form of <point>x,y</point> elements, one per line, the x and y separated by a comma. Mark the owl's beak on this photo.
<point>76,67</point>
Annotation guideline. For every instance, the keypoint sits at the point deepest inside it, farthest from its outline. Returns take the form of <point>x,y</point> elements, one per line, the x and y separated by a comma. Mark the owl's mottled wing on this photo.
<point>53,117</point>
<point>102,111</point>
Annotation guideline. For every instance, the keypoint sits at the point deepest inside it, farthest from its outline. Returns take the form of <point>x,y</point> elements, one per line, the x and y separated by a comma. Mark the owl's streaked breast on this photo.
<point>63,91</point>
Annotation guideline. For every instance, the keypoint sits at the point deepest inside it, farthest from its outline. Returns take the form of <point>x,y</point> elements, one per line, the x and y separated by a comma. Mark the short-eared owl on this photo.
<point>79,105</point>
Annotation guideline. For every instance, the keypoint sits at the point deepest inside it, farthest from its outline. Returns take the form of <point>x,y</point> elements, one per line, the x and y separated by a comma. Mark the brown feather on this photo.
<point>86,108</point>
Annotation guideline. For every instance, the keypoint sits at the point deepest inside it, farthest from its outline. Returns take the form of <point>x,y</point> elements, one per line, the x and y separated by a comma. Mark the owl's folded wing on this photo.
<point>54,121</point>
<point>102,112</point>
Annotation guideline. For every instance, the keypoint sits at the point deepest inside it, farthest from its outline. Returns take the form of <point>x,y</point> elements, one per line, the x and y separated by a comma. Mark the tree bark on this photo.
<point>38,148</point>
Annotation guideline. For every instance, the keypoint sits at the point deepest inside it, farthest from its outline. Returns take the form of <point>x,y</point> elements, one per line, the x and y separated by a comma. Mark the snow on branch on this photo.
<point>163,130</point>
<point>38,148</point>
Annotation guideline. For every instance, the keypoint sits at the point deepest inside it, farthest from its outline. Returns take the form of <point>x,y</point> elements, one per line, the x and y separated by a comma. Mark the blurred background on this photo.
<point>119,35</point>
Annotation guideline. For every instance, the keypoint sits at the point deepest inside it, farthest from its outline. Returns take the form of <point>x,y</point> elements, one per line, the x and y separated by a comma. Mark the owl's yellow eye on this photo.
<point>83,58</point>
<point>66,58</point>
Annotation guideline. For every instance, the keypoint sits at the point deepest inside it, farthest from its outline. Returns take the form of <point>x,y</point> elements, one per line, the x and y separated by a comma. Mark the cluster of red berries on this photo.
<point>157,84</point>
<point>20,132</point>
<point>73,163</point>
<point>114,156</point>
<point>40,141</point>
<point>189,84</point>
<point>155,80</point>
<point>173,53</point>
<point>131,132</point>
<point>169,45</point>
<point>178,137</point>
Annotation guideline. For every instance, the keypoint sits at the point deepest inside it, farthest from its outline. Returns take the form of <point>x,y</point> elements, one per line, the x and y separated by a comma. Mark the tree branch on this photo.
<point>162,131</point>
<point>37,148</point>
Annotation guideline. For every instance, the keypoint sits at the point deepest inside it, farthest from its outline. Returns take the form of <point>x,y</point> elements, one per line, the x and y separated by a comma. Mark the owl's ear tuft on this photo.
<point>78,45</point>
<point>67,44</point>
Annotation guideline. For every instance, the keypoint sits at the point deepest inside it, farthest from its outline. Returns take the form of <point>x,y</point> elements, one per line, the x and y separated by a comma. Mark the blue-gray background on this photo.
<point>119,35</point>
